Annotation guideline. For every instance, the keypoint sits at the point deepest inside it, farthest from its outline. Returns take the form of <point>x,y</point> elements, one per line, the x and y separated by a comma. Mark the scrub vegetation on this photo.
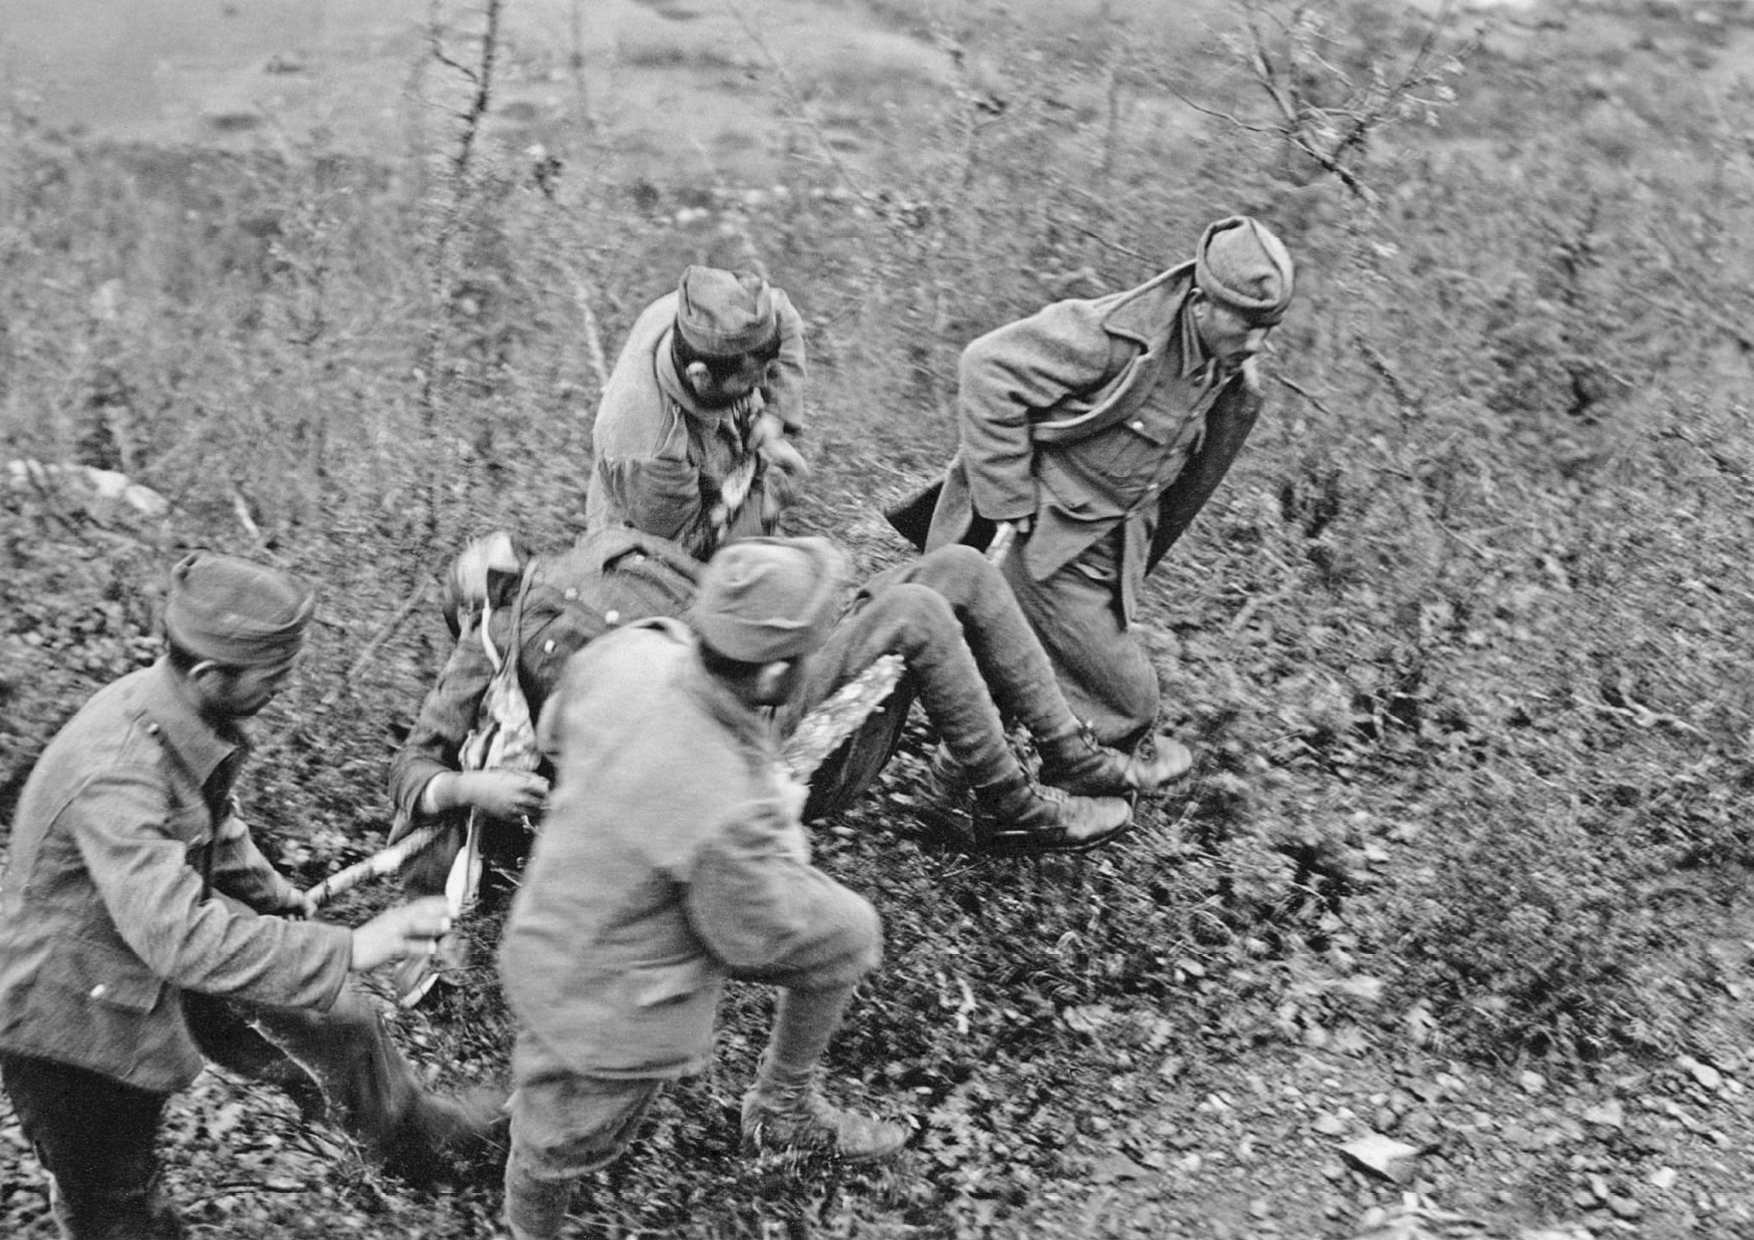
<point>1461,644</point>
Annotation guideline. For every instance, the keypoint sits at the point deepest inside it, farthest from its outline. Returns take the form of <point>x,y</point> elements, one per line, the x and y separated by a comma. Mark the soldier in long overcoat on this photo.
<point>1092,432</point>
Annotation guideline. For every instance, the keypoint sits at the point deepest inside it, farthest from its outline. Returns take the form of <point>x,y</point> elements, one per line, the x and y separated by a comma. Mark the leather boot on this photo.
<point>793,1117</point>
<point>1017,816</point>
<point>1077,763</point>
<point>947,779</point>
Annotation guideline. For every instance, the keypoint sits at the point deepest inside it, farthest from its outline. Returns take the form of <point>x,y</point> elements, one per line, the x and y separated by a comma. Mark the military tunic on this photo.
<point>131,880</point>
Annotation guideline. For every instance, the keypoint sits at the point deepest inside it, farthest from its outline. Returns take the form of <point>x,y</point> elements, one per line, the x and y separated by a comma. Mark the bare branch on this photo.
<point>1223,116</point>
<point>1306,394</point>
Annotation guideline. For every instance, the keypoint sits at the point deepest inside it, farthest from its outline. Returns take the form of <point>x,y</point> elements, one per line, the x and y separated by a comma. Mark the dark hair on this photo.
<point>183,660</point>
<point>719,367</point>
<point>723,666</point>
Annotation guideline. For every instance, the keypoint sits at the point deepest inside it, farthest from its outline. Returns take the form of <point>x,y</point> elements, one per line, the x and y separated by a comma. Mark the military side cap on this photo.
<point>764,599</point>
<point>725,313</point>
<point>1242,266</point>
<point>236,612</point>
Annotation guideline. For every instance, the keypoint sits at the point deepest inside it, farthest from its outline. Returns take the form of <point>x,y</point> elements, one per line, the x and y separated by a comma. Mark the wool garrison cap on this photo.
<point>725,313</point>
<point>236,612</point>
<point>1242,266</point>
<point>763,599</point>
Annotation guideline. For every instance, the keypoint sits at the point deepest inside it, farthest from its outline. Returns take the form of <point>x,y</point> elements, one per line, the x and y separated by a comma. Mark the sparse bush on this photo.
<point>1461,642</point>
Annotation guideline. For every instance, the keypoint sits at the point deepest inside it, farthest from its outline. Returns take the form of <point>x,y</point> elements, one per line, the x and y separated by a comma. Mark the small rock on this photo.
<point>1609,1114</point>
<point>1532,1082</point>
<point>1624,1207</point>
<point>1115,1167</point>
<point>1381,1155</point>
<point>1329,1124</point>
<point>1664,1177</point>
<point>1707,1076</point>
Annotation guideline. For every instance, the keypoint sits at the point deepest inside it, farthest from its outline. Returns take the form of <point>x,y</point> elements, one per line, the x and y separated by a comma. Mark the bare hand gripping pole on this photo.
<point>818,735</point>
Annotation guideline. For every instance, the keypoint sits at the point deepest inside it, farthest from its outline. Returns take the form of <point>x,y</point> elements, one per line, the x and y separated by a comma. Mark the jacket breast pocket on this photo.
<point>1126,453</point>
<point>102,974</point>
<point>661,985</point>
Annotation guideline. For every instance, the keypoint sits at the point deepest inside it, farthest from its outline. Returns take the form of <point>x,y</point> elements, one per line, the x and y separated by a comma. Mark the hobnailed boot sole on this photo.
<point>1041,843</point>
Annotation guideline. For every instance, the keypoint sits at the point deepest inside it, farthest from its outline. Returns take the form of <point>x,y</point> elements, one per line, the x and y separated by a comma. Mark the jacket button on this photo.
<point>548,646</point>
<point>1139,425</point>
<point>571,593</point>
<point>611,617</point>
<point>152,729</point>
<point>98,991</point>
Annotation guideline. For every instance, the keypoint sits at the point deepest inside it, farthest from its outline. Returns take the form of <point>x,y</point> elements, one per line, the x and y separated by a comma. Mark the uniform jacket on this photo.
<point>660,458</point>
<point>608,578</point>
<point>131,880</point>
<point>1056,418</point>
<point>671,858</point>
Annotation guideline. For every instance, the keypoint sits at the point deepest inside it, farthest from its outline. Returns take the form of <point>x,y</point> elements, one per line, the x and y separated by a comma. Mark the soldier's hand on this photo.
<point>412,929</point>
<point>781,455</point>
<point>502,794</point>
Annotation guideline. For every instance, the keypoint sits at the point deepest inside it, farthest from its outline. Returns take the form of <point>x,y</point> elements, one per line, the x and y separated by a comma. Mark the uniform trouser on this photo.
<point>971,659</point>
<point>96,1135</point>
<point>567,1123</point>
<point>1106,675</point>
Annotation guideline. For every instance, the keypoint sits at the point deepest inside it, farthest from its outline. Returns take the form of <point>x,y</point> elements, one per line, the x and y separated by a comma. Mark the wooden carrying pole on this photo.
<point>818,735</point>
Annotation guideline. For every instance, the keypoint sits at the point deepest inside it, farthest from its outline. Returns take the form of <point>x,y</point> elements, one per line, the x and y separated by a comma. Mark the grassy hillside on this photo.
<point>1462,642</point>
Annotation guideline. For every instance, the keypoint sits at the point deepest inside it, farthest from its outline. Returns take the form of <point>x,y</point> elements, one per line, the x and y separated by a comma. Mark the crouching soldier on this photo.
<point>673,857</point>
<point>141,930</point>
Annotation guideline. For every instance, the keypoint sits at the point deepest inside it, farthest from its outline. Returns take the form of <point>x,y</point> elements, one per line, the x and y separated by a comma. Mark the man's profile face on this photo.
<point>240,692</point>
<point>735,381</point>
<point>1229,336</point>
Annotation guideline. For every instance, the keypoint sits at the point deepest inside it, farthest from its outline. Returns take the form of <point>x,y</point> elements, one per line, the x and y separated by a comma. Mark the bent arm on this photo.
<point>1008,375</point>
<point>759,906</point>
<point>447,715</point>
<point>160,907</point>
<point>243,873</point>
<point>785,387</point>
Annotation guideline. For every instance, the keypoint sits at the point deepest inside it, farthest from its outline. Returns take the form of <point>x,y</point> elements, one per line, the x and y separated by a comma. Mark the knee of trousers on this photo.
<point>353,1016</point>
<point>917,615</point>
<point>565,1127</point>
<point>855,946</point>
<point>957,571</point>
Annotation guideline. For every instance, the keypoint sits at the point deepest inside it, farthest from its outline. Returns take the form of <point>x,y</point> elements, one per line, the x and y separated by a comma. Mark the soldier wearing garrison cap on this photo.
<point>1092,432</point>
<point>672,858</point>
<point>694,438</point>
<point>142,932</point>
